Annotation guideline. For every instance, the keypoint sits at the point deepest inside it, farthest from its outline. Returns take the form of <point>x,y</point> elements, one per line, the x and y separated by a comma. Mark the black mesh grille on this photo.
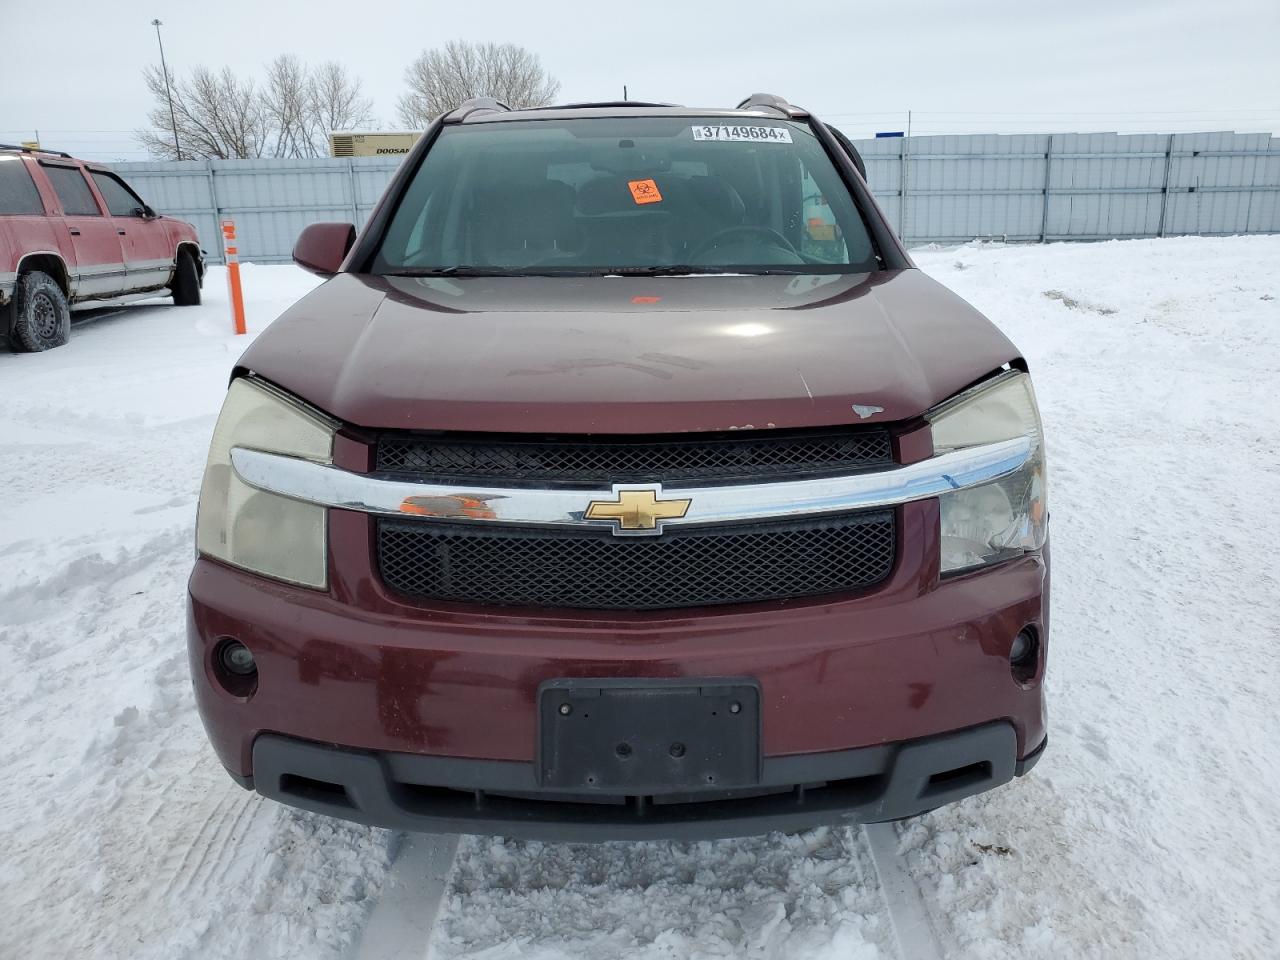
<point>695,567</point>
<point>766,455</point>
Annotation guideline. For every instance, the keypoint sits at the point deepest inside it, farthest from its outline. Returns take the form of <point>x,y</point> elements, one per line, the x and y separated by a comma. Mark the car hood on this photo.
<point>178,229</point>
<point>625,355</point>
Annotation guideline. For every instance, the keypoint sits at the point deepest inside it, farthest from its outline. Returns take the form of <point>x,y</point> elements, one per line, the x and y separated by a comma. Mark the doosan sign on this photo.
<point>389,144</point>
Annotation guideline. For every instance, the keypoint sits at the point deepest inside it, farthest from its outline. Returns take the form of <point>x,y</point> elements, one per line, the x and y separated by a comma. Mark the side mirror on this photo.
<point>322,247</point>
<point>145,212</point>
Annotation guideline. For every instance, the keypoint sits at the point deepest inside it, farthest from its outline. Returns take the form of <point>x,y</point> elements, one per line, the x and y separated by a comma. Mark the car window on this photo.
<point>18,194</point>
<point>602,194</point>
<point>70,186</point>
<point>121,201</point>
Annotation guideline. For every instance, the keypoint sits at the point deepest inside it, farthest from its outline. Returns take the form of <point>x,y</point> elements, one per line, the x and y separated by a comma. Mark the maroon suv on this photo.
<point>625,480</point>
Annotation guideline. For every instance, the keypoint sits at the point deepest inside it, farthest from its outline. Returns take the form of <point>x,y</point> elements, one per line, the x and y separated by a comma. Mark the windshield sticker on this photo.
<point>644,191</point>
<point>743,134</point>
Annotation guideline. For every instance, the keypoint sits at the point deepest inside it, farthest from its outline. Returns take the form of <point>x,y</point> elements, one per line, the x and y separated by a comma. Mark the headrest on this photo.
<point>605,195</point>
<point>545,194</point>
<point>718,199</point>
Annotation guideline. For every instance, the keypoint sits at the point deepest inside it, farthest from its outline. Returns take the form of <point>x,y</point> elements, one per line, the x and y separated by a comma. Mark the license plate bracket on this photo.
<point>644,737</point>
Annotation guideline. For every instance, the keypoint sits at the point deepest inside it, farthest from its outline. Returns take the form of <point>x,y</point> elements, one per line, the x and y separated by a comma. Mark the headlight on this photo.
<point>1006,517</point>
<point>250,528</point>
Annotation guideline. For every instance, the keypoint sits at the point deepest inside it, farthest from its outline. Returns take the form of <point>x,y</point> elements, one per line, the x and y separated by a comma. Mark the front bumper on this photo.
<point>444,795</point>
<point>404,686</point>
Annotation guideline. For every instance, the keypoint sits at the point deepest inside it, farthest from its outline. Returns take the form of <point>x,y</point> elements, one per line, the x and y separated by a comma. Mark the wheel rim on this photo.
<point>45,315</point>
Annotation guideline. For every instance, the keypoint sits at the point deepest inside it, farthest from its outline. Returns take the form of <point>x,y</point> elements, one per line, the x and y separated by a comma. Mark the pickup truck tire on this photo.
<point>186,282</point>
<point>41,314</point>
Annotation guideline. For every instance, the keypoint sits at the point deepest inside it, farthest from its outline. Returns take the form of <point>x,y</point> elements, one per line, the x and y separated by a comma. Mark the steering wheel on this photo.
<point>746,229</point>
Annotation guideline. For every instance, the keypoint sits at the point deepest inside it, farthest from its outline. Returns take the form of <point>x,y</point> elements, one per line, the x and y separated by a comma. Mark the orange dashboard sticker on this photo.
<point>644,191</point>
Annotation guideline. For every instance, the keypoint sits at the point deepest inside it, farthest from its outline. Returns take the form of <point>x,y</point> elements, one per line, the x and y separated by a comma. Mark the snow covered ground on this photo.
<point>1149,830</point>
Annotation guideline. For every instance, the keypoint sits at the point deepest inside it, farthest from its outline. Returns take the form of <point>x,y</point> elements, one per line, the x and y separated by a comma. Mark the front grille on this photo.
<point>690,567</point>
<point>756,456</point>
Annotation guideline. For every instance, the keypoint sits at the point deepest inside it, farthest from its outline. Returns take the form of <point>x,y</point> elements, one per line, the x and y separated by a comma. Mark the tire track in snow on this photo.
<point>913,927</point>
<point>180,877</point>
<point>403,920</point>
<point>163,793</point>
<point>229,850</point>
<point>216,843</point>
<point>408,920</point>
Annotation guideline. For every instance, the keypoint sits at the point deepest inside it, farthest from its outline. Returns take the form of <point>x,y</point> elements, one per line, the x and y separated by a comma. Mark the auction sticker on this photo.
<point>743,134</point>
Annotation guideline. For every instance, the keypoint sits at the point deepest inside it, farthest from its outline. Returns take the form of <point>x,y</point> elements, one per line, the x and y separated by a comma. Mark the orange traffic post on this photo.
<point>231,253</point>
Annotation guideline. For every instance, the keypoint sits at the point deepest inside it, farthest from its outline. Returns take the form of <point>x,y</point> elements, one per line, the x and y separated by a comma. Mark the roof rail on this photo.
<point>475,105</point>
<point>769,101</point>
<point>601,103</point>
<point>14,146</point>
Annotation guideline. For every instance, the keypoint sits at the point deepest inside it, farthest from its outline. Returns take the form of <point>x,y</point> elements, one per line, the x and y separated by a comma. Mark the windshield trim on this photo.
<point>678,270</point>
<point>886,247</point>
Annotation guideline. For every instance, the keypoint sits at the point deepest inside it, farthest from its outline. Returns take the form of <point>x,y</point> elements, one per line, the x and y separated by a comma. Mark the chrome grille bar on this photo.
<point>549,507</point>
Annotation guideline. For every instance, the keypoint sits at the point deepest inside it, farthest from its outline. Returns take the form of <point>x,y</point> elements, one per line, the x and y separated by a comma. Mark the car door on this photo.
<point>24,227</point>
<point>99,269</point>
<point>148,254</point>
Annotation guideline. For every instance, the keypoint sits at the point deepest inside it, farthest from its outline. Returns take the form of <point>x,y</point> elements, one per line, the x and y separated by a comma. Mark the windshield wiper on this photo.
<point>655,270</point>
<point>456,270</point>
<point>659,270</point>
<point>678,270</point>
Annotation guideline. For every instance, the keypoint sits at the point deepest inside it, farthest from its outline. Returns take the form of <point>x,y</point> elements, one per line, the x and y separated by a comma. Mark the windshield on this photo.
<point>626,195</point>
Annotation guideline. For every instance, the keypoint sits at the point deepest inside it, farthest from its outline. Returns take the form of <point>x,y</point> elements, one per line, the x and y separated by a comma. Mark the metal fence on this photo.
<point>270,200</point>
<point>1027,187</point>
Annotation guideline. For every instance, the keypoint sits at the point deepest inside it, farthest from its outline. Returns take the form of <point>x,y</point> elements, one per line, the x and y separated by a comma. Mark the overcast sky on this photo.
<point>1002,66</point>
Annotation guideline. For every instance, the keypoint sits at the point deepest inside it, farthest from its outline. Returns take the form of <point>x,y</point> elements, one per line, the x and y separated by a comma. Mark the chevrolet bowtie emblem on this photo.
<point>637,511</point>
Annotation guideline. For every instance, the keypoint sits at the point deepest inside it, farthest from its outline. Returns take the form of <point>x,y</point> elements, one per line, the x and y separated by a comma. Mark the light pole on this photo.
<point>173,121</point>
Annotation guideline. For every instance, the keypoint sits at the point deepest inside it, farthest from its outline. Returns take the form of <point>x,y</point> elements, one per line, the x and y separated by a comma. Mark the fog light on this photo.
<point>1023,647</point>
<point>1024,655</point>
<point>236,659</point>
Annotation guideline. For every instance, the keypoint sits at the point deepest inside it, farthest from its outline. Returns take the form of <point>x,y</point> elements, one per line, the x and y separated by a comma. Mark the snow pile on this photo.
<point>1150,827</point>
<point>122,836</point>
<point>777,897</point>
<point>1148,830</point>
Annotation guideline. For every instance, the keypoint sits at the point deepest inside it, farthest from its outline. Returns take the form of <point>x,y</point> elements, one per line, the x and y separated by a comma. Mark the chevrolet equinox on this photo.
<point>625,479</point>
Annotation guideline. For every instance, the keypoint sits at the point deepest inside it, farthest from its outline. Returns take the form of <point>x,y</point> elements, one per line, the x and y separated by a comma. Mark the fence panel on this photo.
<point>945,189</point>
<point>270,200</point>
<point>1224,183</point>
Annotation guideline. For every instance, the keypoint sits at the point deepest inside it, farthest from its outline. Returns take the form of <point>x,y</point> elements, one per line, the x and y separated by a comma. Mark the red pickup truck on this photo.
<point>72,231</point>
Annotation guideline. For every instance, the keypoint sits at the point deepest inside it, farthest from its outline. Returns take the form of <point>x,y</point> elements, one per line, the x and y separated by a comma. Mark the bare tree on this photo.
<point>285,103</point>
<point>439,80</point>
<point>221,117</point>
<point>216,115</point>
<point>303,106</point>
<point>336,100</point>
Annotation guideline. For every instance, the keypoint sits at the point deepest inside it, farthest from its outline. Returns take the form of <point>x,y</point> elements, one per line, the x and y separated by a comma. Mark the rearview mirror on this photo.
<point>322,247</point>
